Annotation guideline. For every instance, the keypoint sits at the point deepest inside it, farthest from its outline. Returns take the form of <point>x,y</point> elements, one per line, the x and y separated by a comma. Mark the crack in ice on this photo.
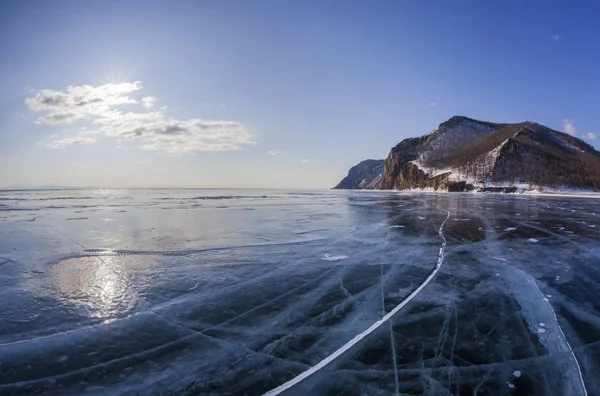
<point>344,348</point>
<point>184,252</point>
<point>583,388</point>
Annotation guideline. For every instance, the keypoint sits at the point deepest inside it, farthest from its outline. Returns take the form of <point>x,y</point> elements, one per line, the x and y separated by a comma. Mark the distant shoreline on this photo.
<point>582,194</point>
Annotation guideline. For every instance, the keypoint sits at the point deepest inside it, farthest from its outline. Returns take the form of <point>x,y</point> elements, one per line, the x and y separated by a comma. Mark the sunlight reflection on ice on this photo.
<point>93,286</point>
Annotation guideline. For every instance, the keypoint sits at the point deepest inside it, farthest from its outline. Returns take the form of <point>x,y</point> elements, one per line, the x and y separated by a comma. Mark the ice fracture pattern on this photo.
<point>192,292</point>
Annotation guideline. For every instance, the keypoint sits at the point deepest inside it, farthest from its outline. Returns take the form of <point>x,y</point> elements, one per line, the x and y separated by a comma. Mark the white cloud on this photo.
<point>155,130</point>
<point>81,102</point>
<point>431,104</point>
<point>556,37</point>
<point>569,127</point>
<point>305,161</point>
<point>590,135</point>
<point>149,101</point>
<point>62,143</point>
<point>274,152</point>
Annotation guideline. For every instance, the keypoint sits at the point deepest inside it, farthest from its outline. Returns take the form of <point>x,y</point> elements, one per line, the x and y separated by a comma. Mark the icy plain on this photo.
<point>192,292</point>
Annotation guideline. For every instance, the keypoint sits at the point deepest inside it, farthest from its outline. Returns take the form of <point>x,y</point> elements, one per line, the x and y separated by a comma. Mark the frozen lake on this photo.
<point>192,292</point>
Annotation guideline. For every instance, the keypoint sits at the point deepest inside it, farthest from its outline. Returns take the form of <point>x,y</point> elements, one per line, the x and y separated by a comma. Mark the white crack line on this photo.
<point>583,388</point>
<point>302,376</point>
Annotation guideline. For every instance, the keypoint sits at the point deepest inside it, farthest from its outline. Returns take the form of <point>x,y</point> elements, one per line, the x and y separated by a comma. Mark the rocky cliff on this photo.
<point>365,175</point>
<point>466,154</point>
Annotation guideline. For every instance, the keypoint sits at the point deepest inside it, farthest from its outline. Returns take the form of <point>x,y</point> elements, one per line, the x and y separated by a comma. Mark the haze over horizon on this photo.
<point>273,94</point>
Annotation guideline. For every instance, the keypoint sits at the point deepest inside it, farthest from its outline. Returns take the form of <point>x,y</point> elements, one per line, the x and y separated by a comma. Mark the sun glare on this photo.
<point>116,76</point>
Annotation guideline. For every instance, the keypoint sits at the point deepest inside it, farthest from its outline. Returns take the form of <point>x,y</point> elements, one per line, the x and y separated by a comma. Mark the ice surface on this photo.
<point>185,292</point>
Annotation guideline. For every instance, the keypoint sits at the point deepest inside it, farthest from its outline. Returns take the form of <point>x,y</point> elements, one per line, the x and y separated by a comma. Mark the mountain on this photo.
<point>365,175</point>
<point>467,154</point>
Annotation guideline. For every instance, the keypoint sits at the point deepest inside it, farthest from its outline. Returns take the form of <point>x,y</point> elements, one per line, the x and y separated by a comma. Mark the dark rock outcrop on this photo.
<point>465,154</point>
<point>365,175</point>
<point>408,176</point>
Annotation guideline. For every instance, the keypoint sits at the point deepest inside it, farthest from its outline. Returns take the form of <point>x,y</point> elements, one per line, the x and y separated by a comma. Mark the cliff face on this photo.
<point>365,175</point>
<point>463,153</point>
<point>409,176</point>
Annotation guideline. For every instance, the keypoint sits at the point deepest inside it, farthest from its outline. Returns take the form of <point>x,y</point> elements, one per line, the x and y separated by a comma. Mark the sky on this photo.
<point>285,94</point>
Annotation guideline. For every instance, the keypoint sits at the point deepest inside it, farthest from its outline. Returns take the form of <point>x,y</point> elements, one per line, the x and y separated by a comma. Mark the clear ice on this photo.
<point>185,292</point>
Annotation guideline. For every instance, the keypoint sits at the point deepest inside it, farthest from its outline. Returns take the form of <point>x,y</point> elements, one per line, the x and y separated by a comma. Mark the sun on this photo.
<point>116,75</point>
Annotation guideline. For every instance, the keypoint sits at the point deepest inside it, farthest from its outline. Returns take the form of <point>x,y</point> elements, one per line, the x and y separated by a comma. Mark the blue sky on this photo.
<point>319,84</point>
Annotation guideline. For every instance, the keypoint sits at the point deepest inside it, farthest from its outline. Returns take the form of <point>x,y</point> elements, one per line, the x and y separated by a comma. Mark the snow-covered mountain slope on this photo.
<point>463,153</point>
<point>365,175</point>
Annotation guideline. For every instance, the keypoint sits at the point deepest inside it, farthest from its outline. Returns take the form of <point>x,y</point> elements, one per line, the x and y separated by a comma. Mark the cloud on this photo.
<point>556,37</point>
<point>101,108</point>
<point>60,118</point>
<point>62,143</point>
<point>81,102</point>
<point>305,161</point>
<point>431,104</point>
<point>274,152</point>
<point>149,101</point>
<point>569,127</point>
<point>590,135</point>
